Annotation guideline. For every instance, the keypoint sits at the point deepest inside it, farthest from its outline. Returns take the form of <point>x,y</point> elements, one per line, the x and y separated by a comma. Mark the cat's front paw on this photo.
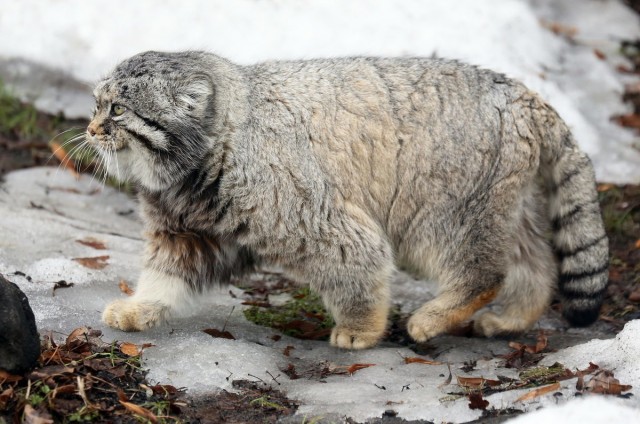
<point>130,315</point>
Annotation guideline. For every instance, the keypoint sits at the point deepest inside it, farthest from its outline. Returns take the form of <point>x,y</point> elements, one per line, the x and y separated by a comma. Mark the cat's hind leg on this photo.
<point>530,279</point>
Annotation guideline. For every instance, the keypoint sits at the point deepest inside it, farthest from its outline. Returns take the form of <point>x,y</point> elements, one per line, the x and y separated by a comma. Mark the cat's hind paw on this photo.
<point>130,315</point>
<point>350,338</point>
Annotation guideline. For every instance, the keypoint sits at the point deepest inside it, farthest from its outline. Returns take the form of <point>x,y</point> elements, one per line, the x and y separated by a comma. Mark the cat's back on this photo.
<point>370,123</point>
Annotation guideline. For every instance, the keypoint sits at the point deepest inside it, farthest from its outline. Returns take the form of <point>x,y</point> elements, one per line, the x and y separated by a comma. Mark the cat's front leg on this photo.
<point>156,297</point>
<point>178,267</point>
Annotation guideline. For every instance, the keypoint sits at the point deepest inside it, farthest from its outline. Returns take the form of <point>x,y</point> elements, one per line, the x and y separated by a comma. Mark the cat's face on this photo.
<point>150,122</point>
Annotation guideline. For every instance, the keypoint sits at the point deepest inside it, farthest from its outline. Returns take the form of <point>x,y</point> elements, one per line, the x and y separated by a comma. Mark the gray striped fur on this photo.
<point>342,170</point>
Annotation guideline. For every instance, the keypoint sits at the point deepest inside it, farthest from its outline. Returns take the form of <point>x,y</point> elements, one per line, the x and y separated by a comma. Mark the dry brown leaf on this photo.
<point>34,416</point>
<point>65,160</point>
<point>637,244</point>
<point>604,187</point>
<point>124,288</point>
<point>5,377</point>
<point>599,54</point>
<point>539,392</point>
<point>356,367</point>
<point>631,120</point>
<point>540,345</point>
<point>129,349</point>
<point>604,382</point>
<point>417,360</point>
<point>477,402</point>
<point>560,29</point>
<point>96,262</point>
<point>92,242</point>
<point>79,334</point>
<point>287,350</point>
<point>140,411</point>
<point>50,371</point>
<point>5,396</point>
<point>219,334</point>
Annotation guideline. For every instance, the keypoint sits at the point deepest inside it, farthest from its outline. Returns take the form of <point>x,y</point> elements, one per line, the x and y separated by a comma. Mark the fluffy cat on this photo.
<point>341,170</point>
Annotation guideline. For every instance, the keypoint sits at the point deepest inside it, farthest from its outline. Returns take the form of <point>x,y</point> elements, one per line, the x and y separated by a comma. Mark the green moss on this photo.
<point>17,119</point>
<point>298,317</point>
<point>543,375</point>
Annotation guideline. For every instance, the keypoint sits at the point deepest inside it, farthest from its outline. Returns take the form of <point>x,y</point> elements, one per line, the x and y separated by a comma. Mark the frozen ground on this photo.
<point>51,52</point>
<point>45,213</point>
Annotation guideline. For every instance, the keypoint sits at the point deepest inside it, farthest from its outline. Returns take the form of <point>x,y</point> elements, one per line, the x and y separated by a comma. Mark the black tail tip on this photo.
<point>581,317</point>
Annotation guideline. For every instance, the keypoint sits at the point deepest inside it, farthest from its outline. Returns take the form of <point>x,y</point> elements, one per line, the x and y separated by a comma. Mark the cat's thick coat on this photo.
<point>341,170</point>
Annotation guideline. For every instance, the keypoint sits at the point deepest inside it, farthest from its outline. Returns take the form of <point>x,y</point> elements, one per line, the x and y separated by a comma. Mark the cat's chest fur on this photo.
<point>193,206</point>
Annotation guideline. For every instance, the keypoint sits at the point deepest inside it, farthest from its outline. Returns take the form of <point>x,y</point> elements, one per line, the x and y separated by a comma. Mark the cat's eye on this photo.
<point>118,110</point>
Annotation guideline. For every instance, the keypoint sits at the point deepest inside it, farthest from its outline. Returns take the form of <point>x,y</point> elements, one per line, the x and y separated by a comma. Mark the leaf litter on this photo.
<point>83,378</point>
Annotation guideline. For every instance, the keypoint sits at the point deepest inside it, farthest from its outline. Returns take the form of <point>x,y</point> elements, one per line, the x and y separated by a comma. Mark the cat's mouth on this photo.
<point>106,145</point>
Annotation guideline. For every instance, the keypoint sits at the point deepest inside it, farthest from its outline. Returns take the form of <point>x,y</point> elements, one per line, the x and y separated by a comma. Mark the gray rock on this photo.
<point>19,339</point>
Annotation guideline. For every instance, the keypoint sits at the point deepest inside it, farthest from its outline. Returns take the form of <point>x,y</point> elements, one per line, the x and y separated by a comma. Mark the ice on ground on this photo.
<point>44,215</point>
<point>53,51</point>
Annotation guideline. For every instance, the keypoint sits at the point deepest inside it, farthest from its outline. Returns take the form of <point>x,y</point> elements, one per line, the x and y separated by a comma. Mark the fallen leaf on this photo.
<point>129,349</point>
<point>92,242</point>
<point>63,157</point>
<point>140,411</point>
<point>560,29</point>
<point>634,296</point>
<point>477,402</point>
<point>604,382</point>
<point>539,392</point>
<point>96,262</point>
<point>50,371</point>
<point>599,54</point>
<point>416,360</point>
<point>476,382</point>
<point>35,416</point>
<point>287,350</point>
<point>164,389</point>
<point>219,334</point>
<point>5,377</point>
<point>356,367</point>
<point>637,244</point>
<point>604,187</point>
<point>5,396</point>
<point>540,345</point>
<point>124,288</point>
<point>343,369</point>
<point>631,120</point>
<point>79,334</point>
<point>62,284</point>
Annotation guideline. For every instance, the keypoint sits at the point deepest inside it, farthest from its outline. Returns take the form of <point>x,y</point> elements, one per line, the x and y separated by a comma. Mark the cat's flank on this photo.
<point>342,170</point>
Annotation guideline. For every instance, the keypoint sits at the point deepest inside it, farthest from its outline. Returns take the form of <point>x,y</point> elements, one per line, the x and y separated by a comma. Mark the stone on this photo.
<point>19,339</point>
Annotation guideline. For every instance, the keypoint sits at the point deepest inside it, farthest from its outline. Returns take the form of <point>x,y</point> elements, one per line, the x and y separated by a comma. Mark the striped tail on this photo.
<point>579,238</point>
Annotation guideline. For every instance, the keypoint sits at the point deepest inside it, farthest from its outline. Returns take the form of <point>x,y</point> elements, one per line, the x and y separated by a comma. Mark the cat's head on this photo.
<point>153,118</point>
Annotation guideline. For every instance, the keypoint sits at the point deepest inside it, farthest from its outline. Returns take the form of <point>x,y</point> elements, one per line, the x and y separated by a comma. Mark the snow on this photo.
<point>52,52</point>
<point>586,411</point>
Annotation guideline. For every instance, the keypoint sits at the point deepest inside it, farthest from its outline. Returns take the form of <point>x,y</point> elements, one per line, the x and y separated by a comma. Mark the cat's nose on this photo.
<point>91,130</point>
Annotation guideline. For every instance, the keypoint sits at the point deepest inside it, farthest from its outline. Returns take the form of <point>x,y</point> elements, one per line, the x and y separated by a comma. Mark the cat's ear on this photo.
<point>195,96</point>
